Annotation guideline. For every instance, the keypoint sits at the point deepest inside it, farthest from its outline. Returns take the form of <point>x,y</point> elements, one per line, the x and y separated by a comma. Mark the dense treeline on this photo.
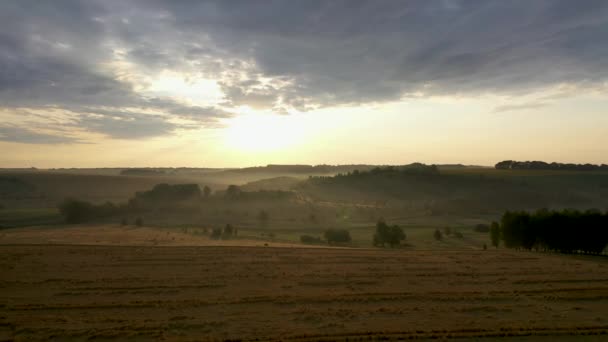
<point>540,165</point>
<point>169,197</point>
<point>390,171</point>
<point>76,211</point>
<point>566,231</point>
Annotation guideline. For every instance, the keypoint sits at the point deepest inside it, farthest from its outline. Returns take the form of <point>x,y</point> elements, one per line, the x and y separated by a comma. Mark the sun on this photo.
<point>255,132</point>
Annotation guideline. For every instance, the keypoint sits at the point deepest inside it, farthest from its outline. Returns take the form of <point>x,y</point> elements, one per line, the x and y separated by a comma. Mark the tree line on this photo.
<point>565,231</point>
<point>540,165</point>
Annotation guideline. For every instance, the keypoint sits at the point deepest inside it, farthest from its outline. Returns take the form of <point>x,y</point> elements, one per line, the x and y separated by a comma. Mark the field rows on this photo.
<point>194,293</point>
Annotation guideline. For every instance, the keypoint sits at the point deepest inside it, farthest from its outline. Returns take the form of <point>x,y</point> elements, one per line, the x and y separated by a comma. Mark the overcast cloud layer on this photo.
<point>92,59</point>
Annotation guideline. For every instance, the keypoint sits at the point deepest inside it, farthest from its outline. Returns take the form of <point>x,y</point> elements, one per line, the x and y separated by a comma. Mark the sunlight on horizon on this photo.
<point>256,132</point>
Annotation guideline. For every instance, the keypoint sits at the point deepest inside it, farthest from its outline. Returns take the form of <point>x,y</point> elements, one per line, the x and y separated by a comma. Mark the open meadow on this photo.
<point>142,292</point>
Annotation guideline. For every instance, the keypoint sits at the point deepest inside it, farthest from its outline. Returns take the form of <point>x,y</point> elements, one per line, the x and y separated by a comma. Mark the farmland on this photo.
<point>141,292</point>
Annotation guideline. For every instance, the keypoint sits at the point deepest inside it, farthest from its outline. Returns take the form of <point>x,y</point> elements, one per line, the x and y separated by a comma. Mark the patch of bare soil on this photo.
<point>300,294</point>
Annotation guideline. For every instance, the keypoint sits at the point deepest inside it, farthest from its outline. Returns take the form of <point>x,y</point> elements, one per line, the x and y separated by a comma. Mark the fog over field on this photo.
<point>318,170</point>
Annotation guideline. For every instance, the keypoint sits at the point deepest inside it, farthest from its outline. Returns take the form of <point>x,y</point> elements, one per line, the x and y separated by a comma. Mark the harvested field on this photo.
<point>200,293</point>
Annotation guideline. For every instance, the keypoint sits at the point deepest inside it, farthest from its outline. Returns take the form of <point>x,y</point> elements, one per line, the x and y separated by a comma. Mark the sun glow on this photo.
<point>264,132</point>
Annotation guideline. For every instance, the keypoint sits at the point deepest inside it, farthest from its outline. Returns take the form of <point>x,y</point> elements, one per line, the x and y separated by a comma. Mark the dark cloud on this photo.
<point>122,125</point>
<point>339,52</point>
<point>18,134</point>
<point>282,54</point>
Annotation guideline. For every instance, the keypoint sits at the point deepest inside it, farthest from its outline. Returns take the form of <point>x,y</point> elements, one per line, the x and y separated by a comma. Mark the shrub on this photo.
<point>458,235</point>
<point>437,235</point>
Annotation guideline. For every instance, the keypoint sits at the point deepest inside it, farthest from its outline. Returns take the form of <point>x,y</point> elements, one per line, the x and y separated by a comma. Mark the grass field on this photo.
<point>68,292</point>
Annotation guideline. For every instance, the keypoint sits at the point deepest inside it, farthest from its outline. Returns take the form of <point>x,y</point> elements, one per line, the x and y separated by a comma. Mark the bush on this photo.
<point>337,236</point>
<point>458,235</point>
<point>385,234</point>
<point>437,235</point>
<point>310,239</point>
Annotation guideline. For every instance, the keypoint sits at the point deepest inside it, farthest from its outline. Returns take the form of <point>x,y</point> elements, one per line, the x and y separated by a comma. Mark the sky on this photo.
<point>119,83</point>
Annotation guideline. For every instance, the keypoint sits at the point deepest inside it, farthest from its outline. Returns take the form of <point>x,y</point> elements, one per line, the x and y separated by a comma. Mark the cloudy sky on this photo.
<point>240,83</point>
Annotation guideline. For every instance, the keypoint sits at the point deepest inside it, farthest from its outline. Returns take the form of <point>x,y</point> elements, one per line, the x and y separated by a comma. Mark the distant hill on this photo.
<point>466,191</point>
<point>142,172</point>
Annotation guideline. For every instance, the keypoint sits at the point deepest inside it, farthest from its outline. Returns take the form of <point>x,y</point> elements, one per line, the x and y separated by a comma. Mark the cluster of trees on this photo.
<point>388,171</point>
<point>76,211</point>
<point>566,231</point>
<point>385,234</point>
<point>540,165</point>
<point>337,236</point>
